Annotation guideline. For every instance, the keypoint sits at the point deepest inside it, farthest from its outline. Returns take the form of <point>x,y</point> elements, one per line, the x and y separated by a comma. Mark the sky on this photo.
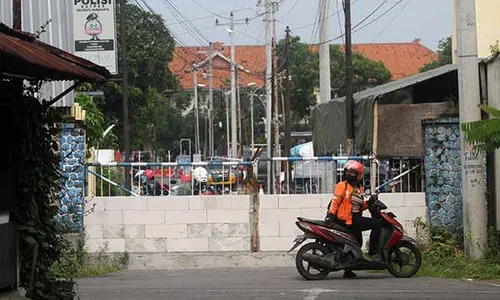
<point>428,20</point>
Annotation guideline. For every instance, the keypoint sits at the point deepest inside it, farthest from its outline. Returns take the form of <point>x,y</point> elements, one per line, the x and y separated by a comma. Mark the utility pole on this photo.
<point>269,7</point>
<point>234,141</point>
<point>16,14</point>
<point>287,114</point>
<point>210,102</point>
<point>349,101</point>
<point>238,99</point>
<point>473,190</point>
<point>126,122</point>
<point>196,111</point>
<point>252,140</point>
<point>276,123</point>
<point>228,137</point>
<point>324,53</point>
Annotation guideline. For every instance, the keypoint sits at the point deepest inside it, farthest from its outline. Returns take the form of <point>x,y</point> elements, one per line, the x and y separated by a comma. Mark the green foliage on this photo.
<point>484,135</point>
<point>443,256</point>
<point>37,188</point>
<point>77,262</point>
<point>445,55</point>
<point>95,123</point>
<point>495,49</point>
<point>305,74</point>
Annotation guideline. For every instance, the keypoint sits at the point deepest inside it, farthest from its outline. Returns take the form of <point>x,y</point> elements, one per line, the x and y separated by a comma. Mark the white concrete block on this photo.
<point>113,231</point>
<point>199,230</point>
<point>107,217</point>
<point>134,231</point>
<point>241,202</point>
<point>414,200</point>
<point>196,202</point>
<point>299,201</point>
<point>93,232</point>
<point>225,216</point>
<point>276,243</point>
<point>218,202</point>
<point>105,245</point>
<point>167,203</point>
<point>268,201</point>
<point>230,230</point>
<point>269,229</point>
<point>187,245</point>
<point>98,203</point>
<point>313,213</point>
<point>325,200</point>
<point>146,245</point>
<point>392,199</point>
<point>166,231</point>
<point>126,203</point>
<point>141,217</point>
<point>229,244</point>
<point>289,229</point>
<point>279,215</point>
<point>185,217</point>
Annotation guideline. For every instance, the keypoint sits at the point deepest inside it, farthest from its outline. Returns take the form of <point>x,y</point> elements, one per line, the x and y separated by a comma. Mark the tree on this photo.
<point>484,135</point>
<point>149,50</point>
<point>445,55</point>
<point>305,74</point>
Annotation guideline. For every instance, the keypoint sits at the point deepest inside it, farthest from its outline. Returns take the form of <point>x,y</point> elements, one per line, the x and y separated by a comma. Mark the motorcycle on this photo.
<point>335,248</point>
<point>145,184</point>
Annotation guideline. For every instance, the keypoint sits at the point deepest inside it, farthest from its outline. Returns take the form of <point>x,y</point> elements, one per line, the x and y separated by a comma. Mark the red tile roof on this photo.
<point>402,59</point>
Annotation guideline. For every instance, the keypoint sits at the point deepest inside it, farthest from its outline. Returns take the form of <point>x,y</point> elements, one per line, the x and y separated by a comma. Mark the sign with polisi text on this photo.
<point>94,32</point>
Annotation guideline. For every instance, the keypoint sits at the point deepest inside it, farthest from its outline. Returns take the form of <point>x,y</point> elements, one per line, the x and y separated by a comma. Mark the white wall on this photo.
<point>214,223</point>
<point>169,224</point>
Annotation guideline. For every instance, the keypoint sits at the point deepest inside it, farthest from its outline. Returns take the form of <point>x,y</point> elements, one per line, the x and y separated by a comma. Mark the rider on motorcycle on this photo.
<point>347,206</point>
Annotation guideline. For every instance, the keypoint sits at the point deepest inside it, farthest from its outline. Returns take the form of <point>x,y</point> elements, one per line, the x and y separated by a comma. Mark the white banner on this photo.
<point>94,31</point>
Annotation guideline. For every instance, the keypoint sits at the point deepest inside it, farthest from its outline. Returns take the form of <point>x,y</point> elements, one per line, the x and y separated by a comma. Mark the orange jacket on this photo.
<point>341,205</point>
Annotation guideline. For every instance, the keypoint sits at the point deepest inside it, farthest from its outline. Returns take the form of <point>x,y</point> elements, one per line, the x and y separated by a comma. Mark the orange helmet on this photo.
<point>354,166</point>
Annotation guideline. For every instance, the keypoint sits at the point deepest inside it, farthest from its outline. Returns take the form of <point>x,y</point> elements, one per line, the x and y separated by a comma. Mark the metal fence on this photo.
<point>288,175</point>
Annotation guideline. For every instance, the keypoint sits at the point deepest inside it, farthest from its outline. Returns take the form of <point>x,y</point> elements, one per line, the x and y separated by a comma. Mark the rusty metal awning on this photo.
<point>23,55</point>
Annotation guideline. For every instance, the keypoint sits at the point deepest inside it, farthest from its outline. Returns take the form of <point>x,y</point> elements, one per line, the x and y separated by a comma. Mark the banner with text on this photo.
<point>95,34</point>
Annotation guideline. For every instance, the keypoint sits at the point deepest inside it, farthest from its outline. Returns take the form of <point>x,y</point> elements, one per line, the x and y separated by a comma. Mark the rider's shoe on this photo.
<point>349,274</point>
<point>376,258</point>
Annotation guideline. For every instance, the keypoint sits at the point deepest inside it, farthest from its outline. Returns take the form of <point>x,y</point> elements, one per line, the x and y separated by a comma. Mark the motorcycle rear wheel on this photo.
<point>396,258</point>
<point>306,271</point>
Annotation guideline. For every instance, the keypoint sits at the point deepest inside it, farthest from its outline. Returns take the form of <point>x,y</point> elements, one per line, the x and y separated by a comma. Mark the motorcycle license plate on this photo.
<point>298,240</point>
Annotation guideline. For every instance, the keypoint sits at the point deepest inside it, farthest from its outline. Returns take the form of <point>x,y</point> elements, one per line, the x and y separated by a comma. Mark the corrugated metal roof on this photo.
<point>400,84</point>
<point>59,34</point>
<point>23,55</point>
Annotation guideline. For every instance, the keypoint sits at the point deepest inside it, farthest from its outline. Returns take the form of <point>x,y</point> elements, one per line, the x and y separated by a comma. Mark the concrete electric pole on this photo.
<point>210,103</point>
<point>269,7</point>
<point>234,142</point>
<point>474,200</point>
<point>324,52</point>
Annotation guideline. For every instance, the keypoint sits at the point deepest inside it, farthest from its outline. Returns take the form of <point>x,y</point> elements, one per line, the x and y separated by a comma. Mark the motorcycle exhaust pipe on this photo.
<point>317,261</point>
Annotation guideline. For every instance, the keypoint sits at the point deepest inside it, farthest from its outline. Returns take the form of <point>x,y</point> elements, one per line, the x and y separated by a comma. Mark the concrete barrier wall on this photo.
<point>214,223</point>
<point>169,224</point>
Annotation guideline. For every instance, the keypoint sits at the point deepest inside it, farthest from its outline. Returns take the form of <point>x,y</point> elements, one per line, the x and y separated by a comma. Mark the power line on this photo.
<point>290,10</point>
<point>366,25</point>
<point>393,19</point>
<point>340,23</point>
<point>207,17</point>
<point>327,17</point>
<point>181,18</point>
<point>209,11</point>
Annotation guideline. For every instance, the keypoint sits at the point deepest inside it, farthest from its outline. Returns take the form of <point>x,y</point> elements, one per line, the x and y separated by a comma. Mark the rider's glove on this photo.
<point>331,218</point>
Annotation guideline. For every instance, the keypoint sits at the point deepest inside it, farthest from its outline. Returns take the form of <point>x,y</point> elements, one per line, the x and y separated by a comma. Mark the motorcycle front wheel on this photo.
<point>404,260</point>
<point>307,271</point>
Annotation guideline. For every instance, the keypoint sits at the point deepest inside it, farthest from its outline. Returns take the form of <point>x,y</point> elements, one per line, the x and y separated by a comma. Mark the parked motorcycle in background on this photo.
<point>145,184</point>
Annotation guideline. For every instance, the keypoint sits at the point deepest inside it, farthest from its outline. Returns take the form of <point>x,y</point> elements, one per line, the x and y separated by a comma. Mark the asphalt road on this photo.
<point>276,283</point>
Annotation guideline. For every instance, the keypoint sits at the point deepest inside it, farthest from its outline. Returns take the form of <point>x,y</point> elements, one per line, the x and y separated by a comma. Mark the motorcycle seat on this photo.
<point>325,224</point>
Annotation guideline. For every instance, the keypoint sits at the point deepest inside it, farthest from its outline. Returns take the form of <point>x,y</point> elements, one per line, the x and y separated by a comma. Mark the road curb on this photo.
<point>204,260</point>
